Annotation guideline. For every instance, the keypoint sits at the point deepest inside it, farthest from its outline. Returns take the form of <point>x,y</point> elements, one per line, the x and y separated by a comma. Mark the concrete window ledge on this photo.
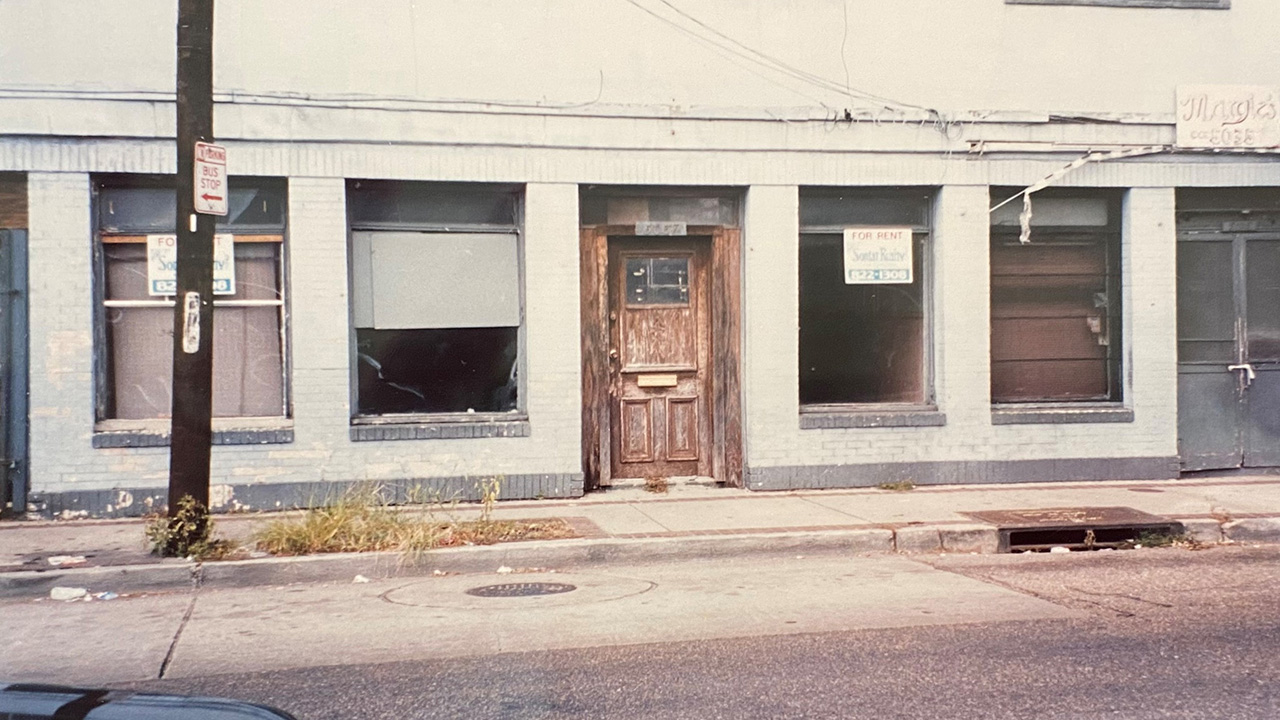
<point>857,417</point>
<point>439,430</point>
<point>116,434</point>
<point>1060,414</point>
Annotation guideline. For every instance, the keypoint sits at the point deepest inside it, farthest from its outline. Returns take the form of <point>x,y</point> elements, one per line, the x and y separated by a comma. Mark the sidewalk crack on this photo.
<point>197,579</point>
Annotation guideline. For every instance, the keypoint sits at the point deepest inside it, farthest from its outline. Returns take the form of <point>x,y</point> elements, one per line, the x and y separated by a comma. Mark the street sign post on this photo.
<point>210,179</point>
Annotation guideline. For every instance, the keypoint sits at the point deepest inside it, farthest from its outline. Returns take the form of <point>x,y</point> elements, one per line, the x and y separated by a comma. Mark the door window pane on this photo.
<point>657,281</point>
<point>1262,280</point>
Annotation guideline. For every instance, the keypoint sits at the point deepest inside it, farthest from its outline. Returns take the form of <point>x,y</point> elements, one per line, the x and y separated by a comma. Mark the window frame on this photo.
<point>1061,410</point>
<point>444,425</point>
<point>1174,4</point>
<point>114,432</point>
<point>884,414</point>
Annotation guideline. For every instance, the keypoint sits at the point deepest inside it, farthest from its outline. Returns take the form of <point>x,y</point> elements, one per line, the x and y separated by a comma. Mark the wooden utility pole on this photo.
<point>190,437</point>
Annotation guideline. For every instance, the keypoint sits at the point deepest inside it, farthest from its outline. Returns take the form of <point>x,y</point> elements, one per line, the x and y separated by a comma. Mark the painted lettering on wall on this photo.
<point>1228,116</point>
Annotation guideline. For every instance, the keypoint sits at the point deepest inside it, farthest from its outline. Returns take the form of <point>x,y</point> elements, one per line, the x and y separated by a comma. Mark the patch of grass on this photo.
<point>655,484</point>
<point>189,533</point>
<point>364,520</point>
<point>898,486</point>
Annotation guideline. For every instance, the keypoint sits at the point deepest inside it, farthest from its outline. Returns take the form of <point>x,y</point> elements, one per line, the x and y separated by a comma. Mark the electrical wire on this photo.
<point>779,65</point>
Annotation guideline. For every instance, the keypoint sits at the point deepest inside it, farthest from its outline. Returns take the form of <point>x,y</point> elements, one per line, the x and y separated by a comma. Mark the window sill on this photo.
<point>1186,4</point>
<point>869,417</point>
<point>1023,414</point>
<point>229,431</point>
<point>447,427</point>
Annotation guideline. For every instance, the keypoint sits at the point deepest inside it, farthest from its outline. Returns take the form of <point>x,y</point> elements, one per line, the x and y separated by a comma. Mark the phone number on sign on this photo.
<point>878,276</point>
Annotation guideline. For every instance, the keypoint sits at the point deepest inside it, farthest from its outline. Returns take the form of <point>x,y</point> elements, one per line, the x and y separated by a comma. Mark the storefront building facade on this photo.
<point>430,294</point>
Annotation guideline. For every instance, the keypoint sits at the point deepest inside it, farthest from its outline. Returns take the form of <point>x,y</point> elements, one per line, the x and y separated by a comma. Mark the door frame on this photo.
<point>726,349</point>
<point>14,371</point>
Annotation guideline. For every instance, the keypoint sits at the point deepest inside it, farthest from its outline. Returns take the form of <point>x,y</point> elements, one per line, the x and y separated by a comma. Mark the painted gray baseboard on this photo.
<point>967,472</point>
<point>135,502</point>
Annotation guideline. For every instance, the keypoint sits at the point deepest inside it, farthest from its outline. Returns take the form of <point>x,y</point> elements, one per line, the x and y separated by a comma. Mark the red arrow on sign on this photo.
<point>207,196</point>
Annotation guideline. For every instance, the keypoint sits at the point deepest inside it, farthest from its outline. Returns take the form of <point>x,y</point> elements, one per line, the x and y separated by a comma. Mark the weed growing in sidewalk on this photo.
<point>189,533</point>
<point>898,486</point>
<point>655,484</point>
<point>366,520</point>
<point>1158,539</point>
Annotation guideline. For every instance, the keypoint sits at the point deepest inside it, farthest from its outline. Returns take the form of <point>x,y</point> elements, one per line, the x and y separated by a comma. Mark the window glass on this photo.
<point>448,370</point>
<point>604,207</point>
<point>1055,302</point>
<point>842,207</point>
<point>658,281</point>
<point>436,313</point>
<point>248,327</point>
<point>134,209</point>
<point>247,340</point>
<point>861,342</point>
<point>386,202</point>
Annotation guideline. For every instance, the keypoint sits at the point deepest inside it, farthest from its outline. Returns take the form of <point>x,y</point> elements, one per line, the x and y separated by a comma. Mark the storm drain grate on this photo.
<point>525,589</point>
<point>1078,528</point>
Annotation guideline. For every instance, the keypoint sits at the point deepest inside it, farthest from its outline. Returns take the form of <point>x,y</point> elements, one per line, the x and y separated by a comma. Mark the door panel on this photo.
<point>1262,418</point>
<point>1228,316</point>
<point>660,357</point>
<point>1208,423</point>
<point>1210,435</point>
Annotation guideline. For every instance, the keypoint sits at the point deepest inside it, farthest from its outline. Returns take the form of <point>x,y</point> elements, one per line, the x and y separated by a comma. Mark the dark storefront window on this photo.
<point>435,297</point>
<point>1055,300</point>
<point>862,342</point>
<point>137,324</point>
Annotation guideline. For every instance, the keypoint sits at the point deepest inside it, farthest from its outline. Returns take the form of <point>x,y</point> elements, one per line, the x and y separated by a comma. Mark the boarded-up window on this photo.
<point>13,201</point>
<point>1055,300</point>
<point>248,326</point>
<point>862,342</point>
<point>435,297</point>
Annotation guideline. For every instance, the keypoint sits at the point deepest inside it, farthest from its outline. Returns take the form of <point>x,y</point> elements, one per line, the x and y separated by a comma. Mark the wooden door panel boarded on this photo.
<point>635,429</point>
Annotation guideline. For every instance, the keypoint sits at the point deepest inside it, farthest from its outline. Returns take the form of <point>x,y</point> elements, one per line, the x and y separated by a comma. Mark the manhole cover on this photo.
<point>525,589</point>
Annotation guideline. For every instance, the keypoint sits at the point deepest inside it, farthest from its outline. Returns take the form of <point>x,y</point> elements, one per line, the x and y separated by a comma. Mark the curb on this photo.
<point>343,567</point>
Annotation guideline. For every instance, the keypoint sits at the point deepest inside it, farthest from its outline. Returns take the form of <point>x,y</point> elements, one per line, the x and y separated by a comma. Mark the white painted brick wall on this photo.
<point>62,379</point>
<point>961,345</point>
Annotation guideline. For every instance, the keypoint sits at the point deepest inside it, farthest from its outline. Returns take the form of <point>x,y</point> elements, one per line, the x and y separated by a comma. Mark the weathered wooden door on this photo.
<point>660,375</point>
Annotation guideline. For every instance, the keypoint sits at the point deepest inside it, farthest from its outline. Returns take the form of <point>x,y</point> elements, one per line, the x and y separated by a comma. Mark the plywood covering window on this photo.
<point>862,343</point>
<point>435,281</point>
<point>136,327</point>
<point>1055,300</point>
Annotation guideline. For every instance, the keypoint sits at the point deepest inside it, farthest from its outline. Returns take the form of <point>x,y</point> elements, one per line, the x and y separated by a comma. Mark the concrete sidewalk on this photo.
<point>629,524</point>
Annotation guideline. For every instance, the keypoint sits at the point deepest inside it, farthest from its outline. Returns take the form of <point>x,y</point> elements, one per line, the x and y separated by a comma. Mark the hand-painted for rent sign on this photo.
<point>162,265</point>
<point>877,255</point>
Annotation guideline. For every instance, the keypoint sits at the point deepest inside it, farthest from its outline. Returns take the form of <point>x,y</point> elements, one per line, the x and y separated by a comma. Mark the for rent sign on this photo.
<point>162,265</point>
<point>1228,116</point>
<point>877,255</point>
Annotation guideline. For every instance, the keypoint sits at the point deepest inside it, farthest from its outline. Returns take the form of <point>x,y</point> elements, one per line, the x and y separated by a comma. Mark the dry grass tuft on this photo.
<point>365,521</point>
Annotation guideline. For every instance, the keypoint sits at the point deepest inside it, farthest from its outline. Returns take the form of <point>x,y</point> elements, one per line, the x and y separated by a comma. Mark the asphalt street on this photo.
<point>1135,634</point>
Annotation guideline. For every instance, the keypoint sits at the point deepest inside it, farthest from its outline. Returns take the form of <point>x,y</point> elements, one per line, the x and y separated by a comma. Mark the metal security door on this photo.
<point>1228,350</point>
<point>660,358</point>
<point>13,370</point>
